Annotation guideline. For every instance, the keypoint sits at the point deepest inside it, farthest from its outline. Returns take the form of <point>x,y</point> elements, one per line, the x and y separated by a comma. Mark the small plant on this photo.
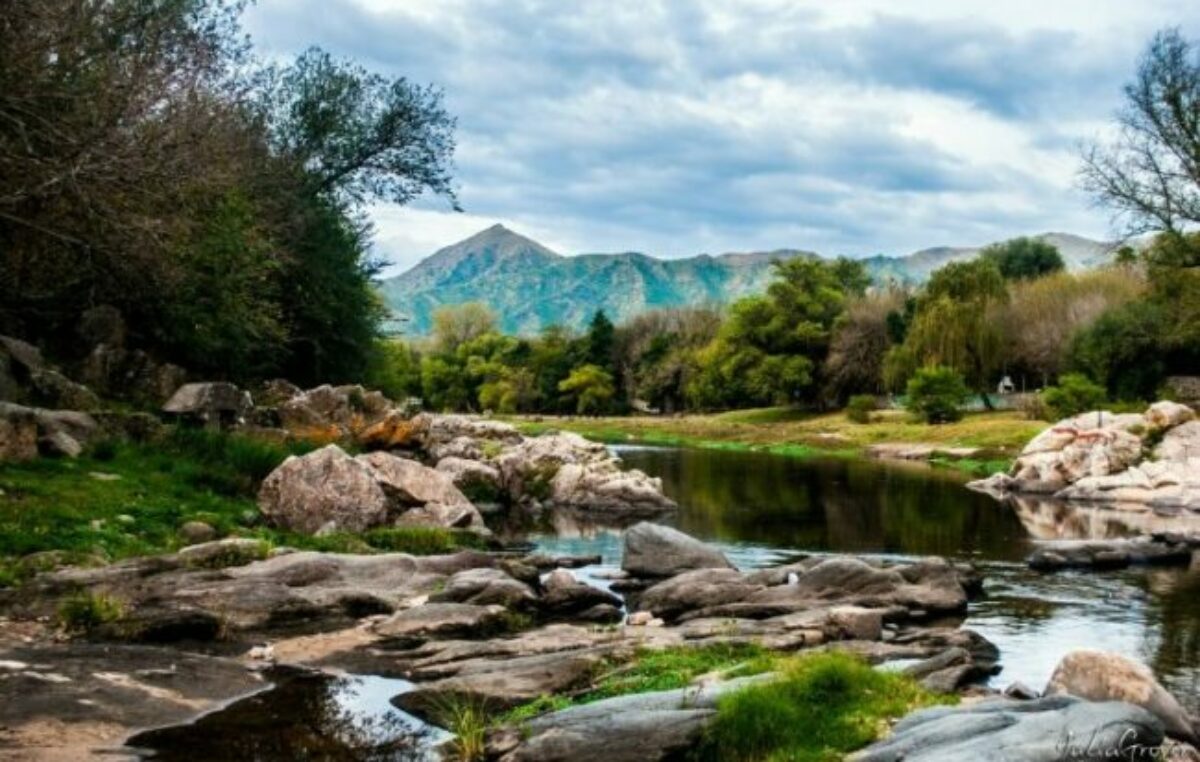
<point>84,612</point>
<point>935,393</point>
<point>469,720</point>
<point>491,448</point>
<point>1075,394</point>
<point>860,407</point>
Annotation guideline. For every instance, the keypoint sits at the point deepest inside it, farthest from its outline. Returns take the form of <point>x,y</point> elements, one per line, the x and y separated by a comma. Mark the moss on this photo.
<point>821,707</point>
<point>491,448</point>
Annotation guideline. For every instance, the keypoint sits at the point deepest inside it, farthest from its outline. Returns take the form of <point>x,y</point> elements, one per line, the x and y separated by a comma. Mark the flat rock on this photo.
<point>443,620</point>
<point>1049,729</point>
<point>485,587</point>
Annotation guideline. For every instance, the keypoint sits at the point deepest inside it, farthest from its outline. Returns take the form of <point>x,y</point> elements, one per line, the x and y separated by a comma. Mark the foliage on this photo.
<point>84,611</point>
<point>1075,394</point>
<point>770,347</point>
<point>600,338</point>
<point>669,668</point>
<point>1024,258</point>
<point>821,707</point>
<point>1122,350</point>
<point>455,325</point>
<point>152,165</point>
<point>591,386</point>
<point>935,393</point>
<point>860,407</point>
<point>954,325</point>
<point>862,336</point>
<point>469,720</point>
<point>394,368</point>
<point>1150,174</point>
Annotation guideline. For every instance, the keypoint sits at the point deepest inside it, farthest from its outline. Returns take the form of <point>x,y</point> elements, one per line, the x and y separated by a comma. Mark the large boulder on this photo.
<point>325,490</point>
<point>431,494</point>
<point>1051,729</point>
<point>654,550</point>
<point>607,488</point>
<point>332,413</point>
<point>1105,676</point>
<point>214,403</point>
<point>485,587</point>
<point>696,589</point>
<point>1167,414</point>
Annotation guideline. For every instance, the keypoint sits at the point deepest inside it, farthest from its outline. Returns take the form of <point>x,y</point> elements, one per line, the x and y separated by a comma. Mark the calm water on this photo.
<point>760,507</point>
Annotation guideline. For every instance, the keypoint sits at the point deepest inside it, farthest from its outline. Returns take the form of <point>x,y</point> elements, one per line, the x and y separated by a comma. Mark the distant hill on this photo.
<point>530,287</point>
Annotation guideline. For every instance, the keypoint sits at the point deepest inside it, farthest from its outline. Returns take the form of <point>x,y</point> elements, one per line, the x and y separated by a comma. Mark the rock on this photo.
<point>332,413</point>
<point>444,620</point>
<point>1180,444</point>
<point>654,550</point>
<point>50,388</point>
<point>639,619</point>
<point>1042,730</point>
<point>194,532</point>
<point>395,430</point>
<point>18,433</point>
<point>564,597</point>
<point>634,728</point>
<point>461,448</point>
<point>484,587</point>
<point>1166,414</point>
<point>1107,554</point>
<point>482,481</point>
<point>59,443</point>
<point>276,392</point>
<point>696,590</point>
<point>410,483</point>
<point>1105,676</point>
<point>220,554</point>
<point>440,429</point>
<point>323,490</point>
<point>211,403</point>
<point>1020,691</point>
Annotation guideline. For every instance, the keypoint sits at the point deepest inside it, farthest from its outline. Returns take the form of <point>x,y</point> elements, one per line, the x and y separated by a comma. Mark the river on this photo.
<point>760,507</point>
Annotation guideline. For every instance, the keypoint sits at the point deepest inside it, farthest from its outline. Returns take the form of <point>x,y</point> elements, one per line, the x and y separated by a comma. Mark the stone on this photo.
<point>1047,729</point>
<point>694,590</point>
<point>194,532</point>
<point>410,483</point>
<point>474,477</point>
<point>323,490</point>
<point>1180,444</point>
<point>1104,676</point>
<point>59,443</point>
<point>443,620</point>
<point>564,597</point>
<point>1107,554</point>
<point>332,413</point>
<point>394,431</point>
<point>484,587</point>
<point>1166,414</point>
<point>18,433</point>
<point>210,402</point>
<point>1020,691</point>
<point>654,550</point>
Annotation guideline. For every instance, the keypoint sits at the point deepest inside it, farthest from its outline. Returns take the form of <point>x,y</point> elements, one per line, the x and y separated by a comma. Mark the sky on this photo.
<point>853,127</point>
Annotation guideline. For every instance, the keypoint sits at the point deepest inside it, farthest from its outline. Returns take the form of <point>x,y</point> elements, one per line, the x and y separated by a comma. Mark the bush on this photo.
<point>1075,394</point>
<point>860,407</point>
<point>84,612</point>
<point>935,392</point>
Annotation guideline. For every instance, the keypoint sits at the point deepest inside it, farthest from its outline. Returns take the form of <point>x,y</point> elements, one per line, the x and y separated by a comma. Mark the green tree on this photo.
<point>935,393</point>
<point>1024,258</point>
<point>458,324</point>
<point>1074,394</point>
<point>1123,350</point>
<point>956,324</point>
<point>600,337</point>
<point>591,387</point>
<point>395,369</point>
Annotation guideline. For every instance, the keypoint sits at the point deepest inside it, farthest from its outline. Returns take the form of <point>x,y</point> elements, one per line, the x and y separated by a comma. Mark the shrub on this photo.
<point>860,407</point>
<point>1075,394</point>
<point>83,612</point>
<point>935,392</point>
<point>821,707</point>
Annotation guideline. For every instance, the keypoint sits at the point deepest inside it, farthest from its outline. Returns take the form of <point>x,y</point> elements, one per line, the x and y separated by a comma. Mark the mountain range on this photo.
<point>530,286</point>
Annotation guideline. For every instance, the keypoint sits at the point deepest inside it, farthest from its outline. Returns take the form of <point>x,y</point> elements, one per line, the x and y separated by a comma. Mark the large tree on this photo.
<point>1150,174</point>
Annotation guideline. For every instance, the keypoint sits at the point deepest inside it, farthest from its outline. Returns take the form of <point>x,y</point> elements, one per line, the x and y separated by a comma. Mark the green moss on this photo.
<point>820,708</point>
<point>667,669</point>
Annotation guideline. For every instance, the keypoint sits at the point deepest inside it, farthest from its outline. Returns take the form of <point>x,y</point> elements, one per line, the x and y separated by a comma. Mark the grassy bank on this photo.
<point>124,499</point>
<point>819,707</point>
<point>784,431</point>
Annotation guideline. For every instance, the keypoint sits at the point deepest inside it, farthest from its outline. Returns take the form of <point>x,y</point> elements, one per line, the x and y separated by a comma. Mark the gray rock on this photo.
<point>654,550</point>
<point>210,402</point>
<point>696,589</point>
<point>564,597</point>
<point>485,587</point>
<point>1052,729</point>
<point>443,620</point>
<point>194,532</point>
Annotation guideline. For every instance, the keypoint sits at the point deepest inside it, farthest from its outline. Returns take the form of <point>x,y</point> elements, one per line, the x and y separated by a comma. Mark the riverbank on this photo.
<point>996,437</point>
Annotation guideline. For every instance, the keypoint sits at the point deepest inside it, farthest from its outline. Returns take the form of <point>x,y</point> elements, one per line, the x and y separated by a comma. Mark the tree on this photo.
<point>955,325</point>
<point>1075,394</point>
<point>935,393</point>
<point>600,340</point>
<point>592,388</point>
<point>1150,174</point>
<point>455,325</point>
<point>861,340</point>
<point>1123,351</point>
<point>1024,258</point>
<point>770,347</point>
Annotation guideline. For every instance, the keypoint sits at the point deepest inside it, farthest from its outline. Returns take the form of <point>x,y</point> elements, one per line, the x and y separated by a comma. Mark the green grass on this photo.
<point>83,612</point>
<point>821,707</point>
<point>148,491</point>
<point>667,669</point>
<point>796,433</point>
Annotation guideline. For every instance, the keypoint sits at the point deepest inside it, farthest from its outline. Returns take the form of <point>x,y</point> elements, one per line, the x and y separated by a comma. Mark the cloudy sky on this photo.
<point>674,128</point>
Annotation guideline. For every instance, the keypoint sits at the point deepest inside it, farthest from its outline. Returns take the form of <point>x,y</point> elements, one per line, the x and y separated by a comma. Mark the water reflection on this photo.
<point>1046,519</point>
<point>306,716</point>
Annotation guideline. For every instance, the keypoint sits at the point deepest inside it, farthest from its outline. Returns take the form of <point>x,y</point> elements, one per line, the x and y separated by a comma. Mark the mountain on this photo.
<point>530,287</point>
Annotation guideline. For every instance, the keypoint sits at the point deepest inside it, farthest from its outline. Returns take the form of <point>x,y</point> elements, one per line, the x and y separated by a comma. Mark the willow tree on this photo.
<point>956,325</point>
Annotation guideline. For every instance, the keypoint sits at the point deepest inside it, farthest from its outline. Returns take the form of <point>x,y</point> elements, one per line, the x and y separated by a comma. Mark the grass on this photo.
<point>821,707</point>
<point>124,499</point>
<point>83,612</point>
<point>787,431</point>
